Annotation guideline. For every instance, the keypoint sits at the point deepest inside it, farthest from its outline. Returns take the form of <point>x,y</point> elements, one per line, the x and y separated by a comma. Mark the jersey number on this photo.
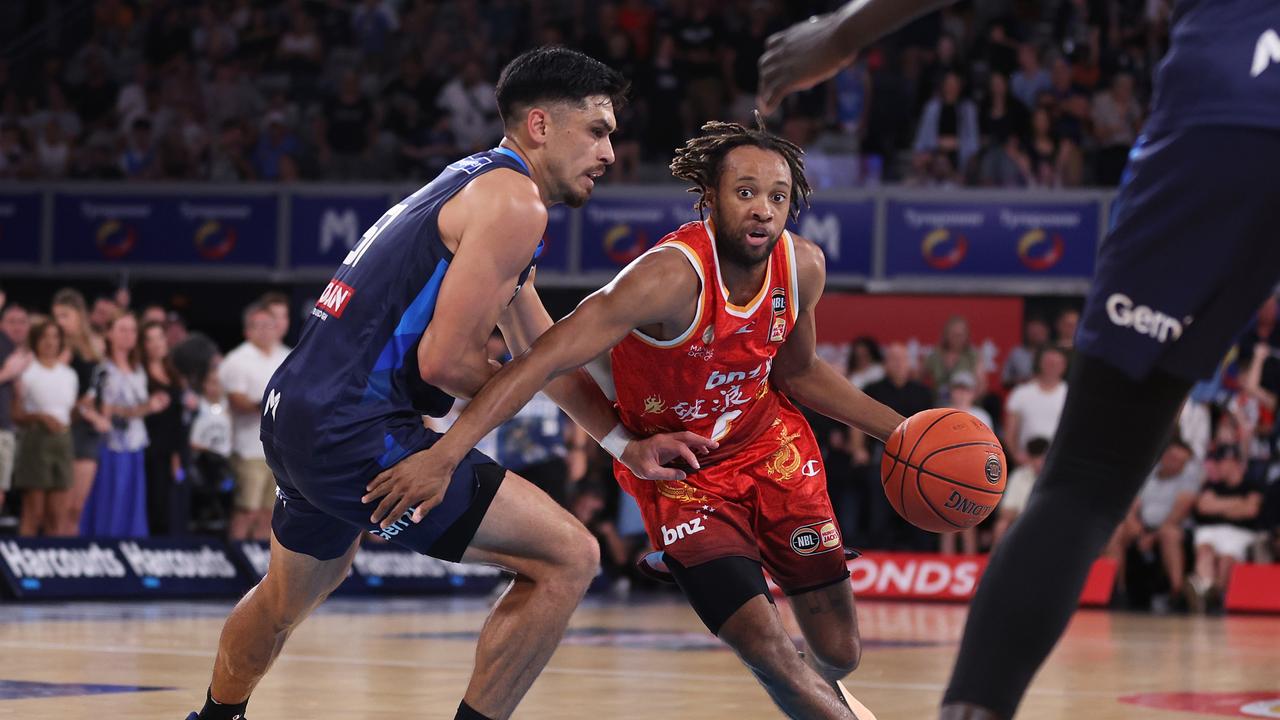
<point>372,234</point>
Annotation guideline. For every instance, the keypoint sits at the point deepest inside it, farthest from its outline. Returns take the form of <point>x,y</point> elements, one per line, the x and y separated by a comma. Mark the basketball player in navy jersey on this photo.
<point>399,333</point>
<point>1190,254</point>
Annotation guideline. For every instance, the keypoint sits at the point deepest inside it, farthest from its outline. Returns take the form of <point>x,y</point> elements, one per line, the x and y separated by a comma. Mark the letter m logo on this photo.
<point>273,400</point>
<point>1266,52</point>
<point>335,225</point>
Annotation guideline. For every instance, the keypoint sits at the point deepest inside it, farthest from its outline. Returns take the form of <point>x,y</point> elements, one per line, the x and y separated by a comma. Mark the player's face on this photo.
<point>579,147</point>
<point>749,208</point>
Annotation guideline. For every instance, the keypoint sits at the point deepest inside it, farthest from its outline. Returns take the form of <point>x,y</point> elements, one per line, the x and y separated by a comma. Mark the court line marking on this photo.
<point>742,678</point>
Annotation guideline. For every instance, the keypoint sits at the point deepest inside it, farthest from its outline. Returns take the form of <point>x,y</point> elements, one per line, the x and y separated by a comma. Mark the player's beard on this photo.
<point>732,246</point>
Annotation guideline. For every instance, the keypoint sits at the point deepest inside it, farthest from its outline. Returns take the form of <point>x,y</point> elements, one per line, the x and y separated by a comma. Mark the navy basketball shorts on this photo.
<point>1193,250</point>
<point>318,511</point>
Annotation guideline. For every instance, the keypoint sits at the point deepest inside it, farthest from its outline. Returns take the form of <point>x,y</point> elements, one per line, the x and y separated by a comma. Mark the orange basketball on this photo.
<point>943,470</point>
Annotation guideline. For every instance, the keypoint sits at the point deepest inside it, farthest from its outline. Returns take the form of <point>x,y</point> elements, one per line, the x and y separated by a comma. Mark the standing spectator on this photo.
<point>907,397</point>
<point>1117,118</point>
<point>949,127</point>
<point>532,444</point>
<point>1018,487</point>
<point>1034,407</point>
<point>1031,78</point>
<point>15,358</point>
<point>117,504</point>
<point>1195,425</point>
<point>244,375</point>
<point>349,129</point>
<point>954,353</point>
<point>1019,367</point>
<point>1064,328</point>
<point>167,503</point>
<point>277,303</point>
<point>1160,516</point>
<point>47,394</point>
<point>473,113</point>
<point>865,365</point>
<point>88,424</point>
<point>963,394</point>
<point>1226,514</point>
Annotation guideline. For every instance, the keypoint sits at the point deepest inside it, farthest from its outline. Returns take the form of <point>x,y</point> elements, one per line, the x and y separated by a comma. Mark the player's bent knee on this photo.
<point>841,656</point>
<point>583,558</point>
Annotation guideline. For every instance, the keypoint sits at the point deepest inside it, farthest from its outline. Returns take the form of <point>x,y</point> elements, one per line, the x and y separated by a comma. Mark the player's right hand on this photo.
<point>647,458</point>
<point>419,481</point>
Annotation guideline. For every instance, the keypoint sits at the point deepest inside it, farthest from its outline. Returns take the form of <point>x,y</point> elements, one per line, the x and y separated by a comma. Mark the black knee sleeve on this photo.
<point>716,589</point>
<point>1112,430</point>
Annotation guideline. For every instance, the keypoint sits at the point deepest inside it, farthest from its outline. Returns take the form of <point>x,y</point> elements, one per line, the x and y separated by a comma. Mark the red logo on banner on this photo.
<point>214,241</point>
<point>617,247</point>
<point>1034,253</point>
<point>1242,704</point>
<point>938,255</point>
<point>115,239</point>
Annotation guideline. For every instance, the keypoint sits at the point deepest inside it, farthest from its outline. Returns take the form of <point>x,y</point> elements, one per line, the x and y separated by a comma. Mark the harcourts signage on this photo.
<point>386,568</point>
<point>73,568</point>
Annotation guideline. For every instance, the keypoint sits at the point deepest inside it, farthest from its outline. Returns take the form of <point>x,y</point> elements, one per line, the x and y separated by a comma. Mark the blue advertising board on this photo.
<point>385,568</point>
<point>87,567</point>
<point>616,230</point>
<point>1002,240</point>
<point>202,231</point>
<point>844,229</point>
<point>20,227</point>
<point>324,228</point>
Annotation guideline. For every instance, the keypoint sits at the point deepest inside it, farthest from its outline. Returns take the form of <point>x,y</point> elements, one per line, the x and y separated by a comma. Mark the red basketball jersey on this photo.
<point>713,379</point>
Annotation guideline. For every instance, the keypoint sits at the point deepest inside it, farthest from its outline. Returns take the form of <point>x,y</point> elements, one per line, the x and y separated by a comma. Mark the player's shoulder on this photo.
<point>808,255</point>
<point>504,194</point>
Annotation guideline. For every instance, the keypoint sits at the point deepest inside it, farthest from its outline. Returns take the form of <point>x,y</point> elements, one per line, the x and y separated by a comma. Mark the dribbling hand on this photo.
<point>798,58</point>
<point>647,458</point>
<point>419,481</point>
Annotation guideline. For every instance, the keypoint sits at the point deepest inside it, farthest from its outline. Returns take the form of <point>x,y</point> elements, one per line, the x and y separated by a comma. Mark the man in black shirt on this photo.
<point>1226,515</point>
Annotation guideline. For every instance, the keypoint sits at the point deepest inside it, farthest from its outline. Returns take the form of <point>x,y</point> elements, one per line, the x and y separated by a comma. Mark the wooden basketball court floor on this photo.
<point>410,658</point>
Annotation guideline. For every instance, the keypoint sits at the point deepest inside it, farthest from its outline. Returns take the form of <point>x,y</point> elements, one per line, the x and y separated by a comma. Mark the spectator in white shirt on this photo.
<point>244,374</point>
<point>47,392</point>
<point>1033,408</point>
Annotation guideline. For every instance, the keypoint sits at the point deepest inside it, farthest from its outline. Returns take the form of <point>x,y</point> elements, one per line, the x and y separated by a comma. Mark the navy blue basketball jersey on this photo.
<point>1222,68</point>
<point>352,388</point>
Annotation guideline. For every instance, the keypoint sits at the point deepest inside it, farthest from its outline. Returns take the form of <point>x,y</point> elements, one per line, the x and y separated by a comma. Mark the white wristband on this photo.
<point>616,441</point>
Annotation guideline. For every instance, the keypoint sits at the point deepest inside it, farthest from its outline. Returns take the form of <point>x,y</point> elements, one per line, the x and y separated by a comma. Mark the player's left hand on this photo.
<point>647,458</point>
<point>800,57</point>
<point>419,481</point>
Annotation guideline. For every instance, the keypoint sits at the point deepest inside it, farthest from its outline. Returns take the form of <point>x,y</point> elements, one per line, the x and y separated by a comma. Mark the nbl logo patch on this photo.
<point>815,538</point>
<point>778,329</point>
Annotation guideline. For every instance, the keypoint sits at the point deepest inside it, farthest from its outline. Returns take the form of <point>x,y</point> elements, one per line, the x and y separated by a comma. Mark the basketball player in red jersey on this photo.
<point>712,333</point>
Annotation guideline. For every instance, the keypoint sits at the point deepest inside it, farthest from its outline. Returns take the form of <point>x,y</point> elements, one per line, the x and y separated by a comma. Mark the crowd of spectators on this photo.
<point>118,422</point>
<point>1010,94</point>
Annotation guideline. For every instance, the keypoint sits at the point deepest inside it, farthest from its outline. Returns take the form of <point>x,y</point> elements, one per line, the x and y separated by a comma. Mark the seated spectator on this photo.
<point>1117,119</point>
<point>473,112</point>
<point>1226,515</point>
<point>47,394</point>
<point>1160,516</point>
<point>1003,116</point>
<point>1031,78</point>
<point>1005,165</point>
<point>274,158</point>
<point>1019,367</point>
<point>1064,328</point>
<point>864,363</point>
<point>1034,407</point>
<point>1017,488</point>
<point>1054,161</point>
<point>949,126</point>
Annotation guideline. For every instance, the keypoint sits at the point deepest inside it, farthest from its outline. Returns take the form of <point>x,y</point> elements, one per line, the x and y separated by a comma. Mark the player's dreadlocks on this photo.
<point>702,158</point>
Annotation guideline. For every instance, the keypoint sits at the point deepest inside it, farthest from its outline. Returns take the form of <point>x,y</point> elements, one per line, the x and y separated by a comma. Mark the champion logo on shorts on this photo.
<point>816,538</point>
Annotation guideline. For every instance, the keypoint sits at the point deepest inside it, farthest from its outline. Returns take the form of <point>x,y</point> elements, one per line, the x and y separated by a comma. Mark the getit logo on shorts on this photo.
<point>815,538</point>
<point>1143,319</point>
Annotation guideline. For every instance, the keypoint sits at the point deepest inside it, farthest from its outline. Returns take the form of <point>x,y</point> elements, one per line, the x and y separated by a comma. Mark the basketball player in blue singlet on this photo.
<point>1190,255</point>
<point>399,333</point>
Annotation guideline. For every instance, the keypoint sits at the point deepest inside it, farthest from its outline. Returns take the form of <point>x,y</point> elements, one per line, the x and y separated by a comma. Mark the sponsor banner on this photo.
<point>1254,588</point>
<point>1005,240</point>
<point>324,228</point>
<point>165,229</point>
<point>385,568</point>
<point>844,230</point>
<point>995,325</point>
<point>922,576</point>
<point>616,230</point>
<point>83,568</point>
<point>20,227</point>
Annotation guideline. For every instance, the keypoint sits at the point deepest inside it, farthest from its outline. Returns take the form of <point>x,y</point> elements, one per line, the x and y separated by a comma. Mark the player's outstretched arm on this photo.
<point>809,52</point>
<point>655,289</point>
<point>802,376</point>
